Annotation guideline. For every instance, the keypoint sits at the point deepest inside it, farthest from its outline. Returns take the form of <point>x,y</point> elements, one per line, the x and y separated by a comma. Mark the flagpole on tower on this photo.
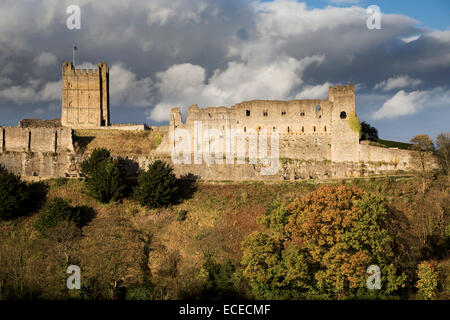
<point>73,54</point>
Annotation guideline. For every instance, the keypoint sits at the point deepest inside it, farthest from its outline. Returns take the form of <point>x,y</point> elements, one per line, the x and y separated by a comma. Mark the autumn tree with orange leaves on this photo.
<point>336,233</point>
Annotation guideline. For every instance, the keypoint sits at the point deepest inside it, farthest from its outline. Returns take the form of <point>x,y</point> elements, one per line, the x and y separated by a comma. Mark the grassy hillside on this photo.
<point>394,144</point>
<point>219,216</point>
<point>120,143</point>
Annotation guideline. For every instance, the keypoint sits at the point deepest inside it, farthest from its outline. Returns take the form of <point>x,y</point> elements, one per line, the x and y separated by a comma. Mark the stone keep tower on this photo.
<point>85,96</point>
<point>344,141</point>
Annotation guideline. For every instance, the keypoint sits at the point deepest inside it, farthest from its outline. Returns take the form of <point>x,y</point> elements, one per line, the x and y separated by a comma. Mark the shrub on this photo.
<point>427,282</point>
<point>55,211</point>
<point>158,186</point>
<point>106,182</point>
<point>217,279</point>
<point>181,215</point>
<point>354,124</point>
<point>14,196</point>
<point>59,182</point>
<point>98,155</point>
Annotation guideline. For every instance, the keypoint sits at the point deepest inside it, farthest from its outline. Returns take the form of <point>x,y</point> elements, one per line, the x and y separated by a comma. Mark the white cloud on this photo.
<point>186,84</point>
<point>314,92</point>
<point>443,36</point>
<point>411,38</point>
<point>46,59</point>
<point>127,89</point>
<point>397,82</point>
<point>404,103</point>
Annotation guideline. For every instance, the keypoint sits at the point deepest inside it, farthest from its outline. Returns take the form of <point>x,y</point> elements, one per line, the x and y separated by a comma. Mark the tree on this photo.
<point>368,132</point>
<point>56,211</point>
<point>14,196</point>
<point>427,282</point>
<point>344,230</point>
<point>97,156</point>
<point>331,236</point>
<point>275,218</point>
<point>443,152</point>
<point>217,279</point>
<point>422,156</point>
<point>158,186</point>
<point>113,258</point>
<point>106,182</point>
<point>272,271</point>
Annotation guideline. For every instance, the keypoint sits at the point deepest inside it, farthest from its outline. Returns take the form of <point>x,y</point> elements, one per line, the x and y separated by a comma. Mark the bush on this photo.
<point>55,211</point>
<point>157,186</point>
<point>181,215</point>
<point>14,196</point>
<point>98,155</point>
<point>59,182</point>
<point>106,182</point>
<point>427,282</point>
<point>217,279</point>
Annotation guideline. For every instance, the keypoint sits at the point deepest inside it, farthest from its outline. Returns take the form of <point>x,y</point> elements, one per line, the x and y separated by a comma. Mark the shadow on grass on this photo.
<point>38,193</point>
<point>187,187</point>
<point>86,215</point>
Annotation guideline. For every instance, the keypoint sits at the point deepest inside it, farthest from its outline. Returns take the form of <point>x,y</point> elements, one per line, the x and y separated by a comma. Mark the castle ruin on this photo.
<point>308,129</point>
<point>85,96</point>
<point>316,138</point>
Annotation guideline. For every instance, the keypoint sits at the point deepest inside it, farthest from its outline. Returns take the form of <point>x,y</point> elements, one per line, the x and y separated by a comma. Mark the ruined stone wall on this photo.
<point>307,129</point>
<point>41,164</point>
<point>400,158</point>
<point>15,139</point>
<point>85,96</point>
<point>38,123</point>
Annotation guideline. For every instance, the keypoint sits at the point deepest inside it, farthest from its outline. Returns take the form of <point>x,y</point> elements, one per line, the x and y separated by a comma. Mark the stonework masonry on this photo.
<point>85,96</point>
<point>308,129</point>
<point>54,140</point>
<point>315,136</point>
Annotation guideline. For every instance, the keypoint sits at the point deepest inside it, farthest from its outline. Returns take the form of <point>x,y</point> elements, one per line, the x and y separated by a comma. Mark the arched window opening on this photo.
<point>325,128</point>
<point>318,108</point>
<point>343,115</point>
<point>314,128</point>
<point>265,113</point>
<point>288,129</point>
<point>245,129</point>
<point>302,114</point>
<point>303,129</point>
<point>247,113</point>
<point>283,113</point>
<point>273,129</point>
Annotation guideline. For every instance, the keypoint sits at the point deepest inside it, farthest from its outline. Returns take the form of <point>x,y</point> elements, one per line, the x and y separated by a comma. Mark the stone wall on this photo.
<point>307,129</point>
<point>41,164</point>
<point>398,157</point>
<point>15,139</point>
<point>38,123</point>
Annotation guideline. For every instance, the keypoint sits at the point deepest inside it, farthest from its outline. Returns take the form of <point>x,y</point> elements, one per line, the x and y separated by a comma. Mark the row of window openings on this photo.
<point>289,130</point>
<point>343,114</point>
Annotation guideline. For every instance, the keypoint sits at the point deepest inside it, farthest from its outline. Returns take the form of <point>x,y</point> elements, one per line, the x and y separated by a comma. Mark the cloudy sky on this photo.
<point>175,53</point>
